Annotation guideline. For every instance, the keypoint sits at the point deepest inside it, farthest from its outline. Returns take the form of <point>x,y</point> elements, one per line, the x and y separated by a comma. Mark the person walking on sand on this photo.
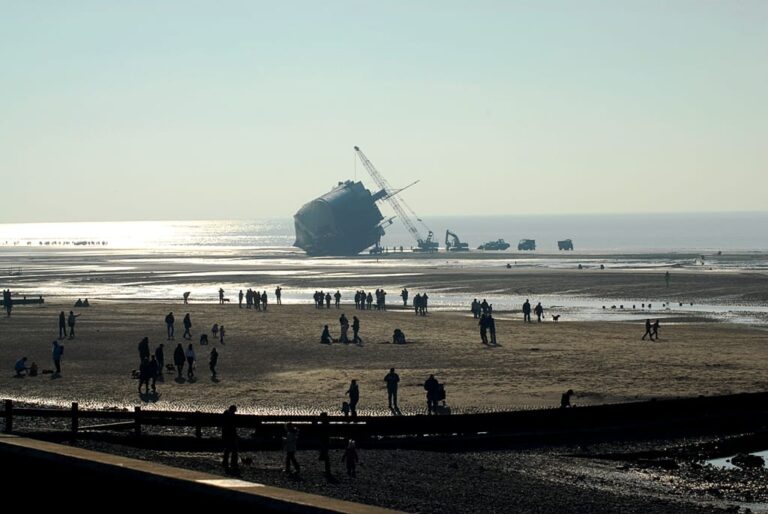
<point>62,325</point>
<point>222,331</point>
<point>324,434</point>
<point>278,293</point>
<point>169,321</point>
<point>354,396</point>
<point>527,311</point>
<point>221,296</point>
<point>539,311</point>
<point>212,362</point>
<point>356,330</point>
<point>404,296</point>
<point>431,385</point>
<point>350,459</point>
<point>492,329</point>
<point>160,358</point>
<point>187,322</point>
<point>290,443</point>
<point>179,359</point>
<point>648,330</point>
<point>71,322</point>
<point>666,278</point>
<point>655,329</point>
<point>240,299</point>
<point>143,350</point>
<point>344,324</point>
<point>229,438</point>
<point>392,380</point>
<point>144,375</point>
<point>337,299</point>
<point>58,351</point>
<point>191,358</point>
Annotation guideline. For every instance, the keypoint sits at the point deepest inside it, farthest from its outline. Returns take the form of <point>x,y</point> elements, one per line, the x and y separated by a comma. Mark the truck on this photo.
<point>526,244</point>
<point>565,244</point>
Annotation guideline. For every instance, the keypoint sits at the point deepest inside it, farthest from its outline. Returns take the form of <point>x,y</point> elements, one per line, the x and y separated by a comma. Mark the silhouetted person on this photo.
<point>229,438</point>
<point>648,330</point>
<point>179,359</point>
<point>337,298</point>
<point>71,322</point>
<point>324,434</point>
<point>222,332</point>
<point>143,350</point>
<point>539,311</point>
<point>666,278</point>
<point>62,325</point>
<point>144,375</point>
<point>492,329</point>
<point>327,300</point>
<point>655,329</point>
<point>404,296</point>
<point>221,296</point>
<point>527,311</point>
<point>240,299</point>
<point>215,330</point>
<point>290,442</point>
<point>58,351</point>
<point>278,294</point>
<point>325,337</point>
<point>354,397</point>
<point>160,358</point>
<point>213,361</point>
<point>431,385</point>
<point>187,322</point>
<point>565,399</point>
<point>392,379</point>
<point>191,358</point>
<point>8,302</point>
<point>350,458</point>
<point>483,324</point>
<point>398,337</point>
<point>356,330</point>
<point>186,297</point>
<point>20,367</point>
<point>169,321</point>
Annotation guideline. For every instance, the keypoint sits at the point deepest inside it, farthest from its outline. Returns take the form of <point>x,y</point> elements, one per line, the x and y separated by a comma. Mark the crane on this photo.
<point>423,245</point>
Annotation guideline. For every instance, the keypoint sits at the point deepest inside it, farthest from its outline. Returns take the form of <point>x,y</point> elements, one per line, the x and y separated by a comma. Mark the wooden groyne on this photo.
<point>687,416</point>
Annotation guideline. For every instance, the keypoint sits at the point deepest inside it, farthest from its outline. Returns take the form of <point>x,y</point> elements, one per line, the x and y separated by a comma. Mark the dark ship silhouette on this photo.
<point>344,221</point>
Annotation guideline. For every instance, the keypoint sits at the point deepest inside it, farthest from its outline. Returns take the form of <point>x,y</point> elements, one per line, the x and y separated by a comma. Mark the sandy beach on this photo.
<point>273,360</point>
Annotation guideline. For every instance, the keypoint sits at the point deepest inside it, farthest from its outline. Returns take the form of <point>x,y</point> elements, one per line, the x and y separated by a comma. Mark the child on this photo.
<point>350,458</point>
<point>215,330</point>
<point>221,334</point>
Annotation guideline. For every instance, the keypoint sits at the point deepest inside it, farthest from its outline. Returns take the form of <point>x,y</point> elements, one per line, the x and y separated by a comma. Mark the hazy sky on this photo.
<point>113,110</point>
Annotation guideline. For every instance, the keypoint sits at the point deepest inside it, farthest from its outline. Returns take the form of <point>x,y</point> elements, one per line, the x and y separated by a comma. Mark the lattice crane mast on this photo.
<point>423,244</point>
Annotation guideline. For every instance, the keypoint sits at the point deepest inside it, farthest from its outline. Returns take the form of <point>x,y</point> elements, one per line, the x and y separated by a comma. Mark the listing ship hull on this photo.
<point>342,222</point>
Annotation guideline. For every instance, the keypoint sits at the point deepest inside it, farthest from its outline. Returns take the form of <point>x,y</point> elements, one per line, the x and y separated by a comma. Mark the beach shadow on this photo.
<point>192,380</point>
<point>18,376</point>
<point>180,380</point>
<point>215,380</point>
<point>149,397</point>
<point>54,376</point>
<point>395,411</point>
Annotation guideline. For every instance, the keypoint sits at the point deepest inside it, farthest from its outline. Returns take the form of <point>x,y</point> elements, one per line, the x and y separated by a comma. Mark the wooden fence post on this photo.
<point>8,416</point>
<point>137,421</point>
<point>75,418</point>
<point>198,427</point>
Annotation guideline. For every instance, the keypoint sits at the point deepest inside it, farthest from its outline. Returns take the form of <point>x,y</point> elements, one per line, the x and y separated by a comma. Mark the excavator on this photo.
<point>454,244</point>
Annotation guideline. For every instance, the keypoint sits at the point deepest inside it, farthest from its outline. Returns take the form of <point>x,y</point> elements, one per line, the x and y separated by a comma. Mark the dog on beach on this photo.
<point>556,317</point>
<point>134,373</point>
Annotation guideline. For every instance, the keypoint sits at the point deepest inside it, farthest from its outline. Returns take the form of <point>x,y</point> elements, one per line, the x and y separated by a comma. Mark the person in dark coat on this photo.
<point>354,397</point>
<point>169,321</point>
<point>160,358</point>
<point>144,349</point>
<point>214,359</point>
<point>229,438</point>
<point>62,325</point>
<point>431,385</point>
<point>179,359</point>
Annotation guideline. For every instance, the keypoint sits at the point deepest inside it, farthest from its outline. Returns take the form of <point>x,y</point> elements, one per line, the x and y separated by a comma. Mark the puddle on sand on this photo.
<point>725,462</point>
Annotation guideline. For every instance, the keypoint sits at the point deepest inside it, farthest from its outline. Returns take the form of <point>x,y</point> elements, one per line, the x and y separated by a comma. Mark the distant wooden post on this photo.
<point>198,427</point>
<point>8,416</point>
<point>75,418</point>
<point>137,422</point>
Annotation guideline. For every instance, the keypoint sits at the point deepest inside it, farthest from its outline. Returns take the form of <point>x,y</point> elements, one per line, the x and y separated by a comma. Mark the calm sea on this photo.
<point>590,233</point>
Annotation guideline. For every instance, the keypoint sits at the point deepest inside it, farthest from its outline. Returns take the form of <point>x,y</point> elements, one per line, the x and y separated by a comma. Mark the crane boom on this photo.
<point>390,196</point>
